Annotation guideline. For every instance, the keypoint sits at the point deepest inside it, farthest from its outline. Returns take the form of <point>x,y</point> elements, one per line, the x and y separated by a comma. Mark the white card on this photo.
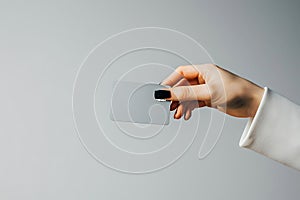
<point>135,103</point>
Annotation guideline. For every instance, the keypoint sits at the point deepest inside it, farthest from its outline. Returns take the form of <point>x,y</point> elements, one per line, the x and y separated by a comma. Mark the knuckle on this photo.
<point>179,69</point>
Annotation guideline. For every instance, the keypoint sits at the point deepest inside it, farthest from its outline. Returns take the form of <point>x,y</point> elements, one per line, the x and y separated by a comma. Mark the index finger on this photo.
<point>188,72</point>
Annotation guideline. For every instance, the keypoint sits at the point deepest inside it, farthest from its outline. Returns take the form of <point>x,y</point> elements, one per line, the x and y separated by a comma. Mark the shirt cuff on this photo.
<point>274,130</point>
<point>247,137</point>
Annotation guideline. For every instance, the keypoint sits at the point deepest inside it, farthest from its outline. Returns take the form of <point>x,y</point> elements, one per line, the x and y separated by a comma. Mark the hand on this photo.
<point>196,86</point>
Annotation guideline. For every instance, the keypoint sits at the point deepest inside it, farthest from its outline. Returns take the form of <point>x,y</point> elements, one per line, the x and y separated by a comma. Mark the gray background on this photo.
<point>41,47</point>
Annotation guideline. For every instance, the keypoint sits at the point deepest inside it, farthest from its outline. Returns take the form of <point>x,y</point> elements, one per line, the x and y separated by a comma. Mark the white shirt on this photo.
<point>275,130</point>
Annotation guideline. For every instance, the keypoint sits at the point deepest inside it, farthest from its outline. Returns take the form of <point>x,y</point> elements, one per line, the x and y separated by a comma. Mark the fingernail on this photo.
<point>162,94</point>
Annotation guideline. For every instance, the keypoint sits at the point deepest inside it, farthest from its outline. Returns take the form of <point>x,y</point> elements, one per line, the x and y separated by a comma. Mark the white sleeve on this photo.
<point>275,130</point>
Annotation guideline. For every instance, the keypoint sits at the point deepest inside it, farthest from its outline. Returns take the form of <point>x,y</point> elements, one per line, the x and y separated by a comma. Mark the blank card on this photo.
<point>134,102</point>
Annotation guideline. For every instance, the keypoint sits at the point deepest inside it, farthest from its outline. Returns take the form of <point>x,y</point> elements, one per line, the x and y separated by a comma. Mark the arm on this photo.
<point>274,121</point>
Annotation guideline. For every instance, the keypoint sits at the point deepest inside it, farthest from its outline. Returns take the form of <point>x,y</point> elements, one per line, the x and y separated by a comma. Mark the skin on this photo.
<point>196,86</point>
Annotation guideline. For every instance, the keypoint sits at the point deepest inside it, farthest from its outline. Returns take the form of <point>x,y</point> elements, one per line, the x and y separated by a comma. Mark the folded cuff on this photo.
<point>274,130</point>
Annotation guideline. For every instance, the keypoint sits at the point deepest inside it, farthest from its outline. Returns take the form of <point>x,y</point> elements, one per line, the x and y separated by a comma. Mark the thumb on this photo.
<point>188,93</point>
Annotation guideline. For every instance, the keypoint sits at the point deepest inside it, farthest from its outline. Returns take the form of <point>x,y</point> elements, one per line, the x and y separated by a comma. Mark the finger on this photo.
<point>183,109</point>
<point>174,105</point>
<point>189,93</point>
<point>187,109</point>
<point>191,106</point>
<point>175,114</point>
<point>188,114</point>
<point>188,72</point>
<point>196,104</point>
<point>179,112</point>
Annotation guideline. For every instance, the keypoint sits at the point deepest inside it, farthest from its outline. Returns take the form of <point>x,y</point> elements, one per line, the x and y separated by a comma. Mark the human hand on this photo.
<point>196,86</point>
